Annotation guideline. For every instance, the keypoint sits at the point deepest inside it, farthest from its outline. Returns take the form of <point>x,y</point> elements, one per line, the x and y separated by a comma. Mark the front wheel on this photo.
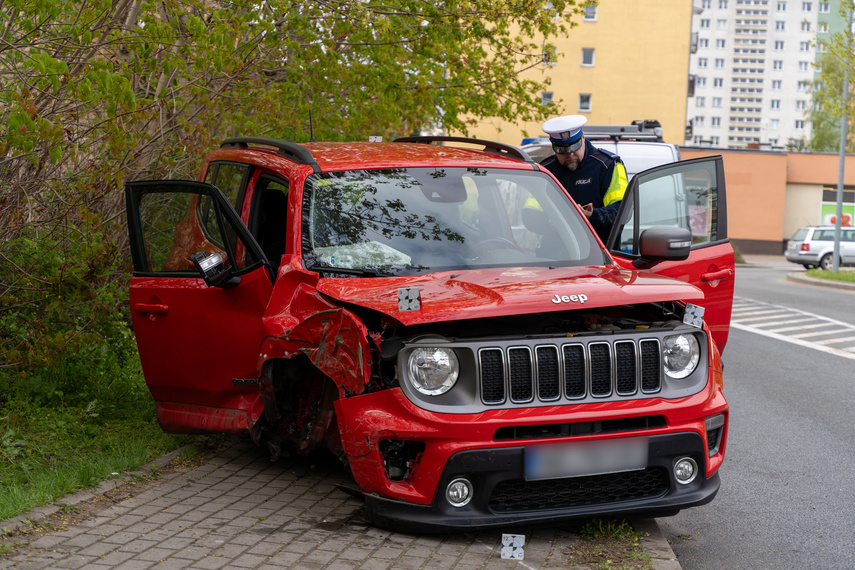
<point>807,266</point>
<point>826,262</point>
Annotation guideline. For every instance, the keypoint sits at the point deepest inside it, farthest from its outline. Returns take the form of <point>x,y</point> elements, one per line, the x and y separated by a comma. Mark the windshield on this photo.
<point>417,220</point>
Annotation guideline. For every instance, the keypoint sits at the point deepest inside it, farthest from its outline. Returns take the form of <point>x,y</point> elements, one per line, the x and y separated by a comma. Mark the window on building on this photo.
<point>702,62</point>
<point>800,105</point>
<point>824,8</point>
<point>587,57</point>
<point>699,121</point>
<point>778,64</point>
<point>802,86</point>
<point>584,102</point>
<point>700,81</point>
<point>722,4</point>
<point>775,103</point>
<point>805,26</point>
<point>780,25</point>
<point>714,141</point>
<point>721,44</point>
<point>700,101</point>
<point>716,101</point>
<point>705,23</point>
<point>804,66</point>
<point>545,98</point>
<point>821,48</point>
<point>715,122</point>
<point>807,6</point>
<point>773,124</point>
<point>706,4</point>
<point>776,85</point>
<point>718,82</point>
<point>779,45</point>
<point>721,24</point>
<point>590,13</point>
<point>704,43</point>
<point>782,6</point>
<point>719,63</point>
<point>823,27</point>
<point>804,46</point>
<point>800,124</point>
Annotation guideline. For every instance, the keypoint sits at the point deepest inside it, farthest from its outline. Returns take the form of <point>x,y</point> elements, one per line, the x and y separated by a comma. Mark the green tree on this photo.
<point>828,103</point>
<point>97,92</point>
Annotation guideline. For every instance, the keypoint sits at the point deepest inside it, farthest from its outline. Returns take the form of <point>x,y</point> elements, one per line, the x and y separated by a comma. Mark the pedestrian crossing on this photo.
<point>794,326</point>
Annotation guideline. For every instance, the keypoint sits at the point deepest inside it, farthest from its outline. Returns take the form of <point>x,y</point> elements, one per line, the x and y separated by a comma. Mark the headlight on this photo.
<point>433,371</point>
<point>682,353</point>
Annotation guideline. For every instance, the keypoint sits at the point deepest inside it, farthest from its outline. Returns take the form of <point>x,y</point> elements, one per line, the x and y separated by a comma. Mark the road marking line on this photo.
<point>799,328</point>
<point>797,341</point>
<point>836,340</point>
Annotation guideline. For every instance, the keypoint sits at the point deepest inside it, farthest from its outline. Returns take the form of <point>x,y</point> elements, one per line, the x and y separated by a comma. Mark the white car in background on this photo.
<point>814,247</point>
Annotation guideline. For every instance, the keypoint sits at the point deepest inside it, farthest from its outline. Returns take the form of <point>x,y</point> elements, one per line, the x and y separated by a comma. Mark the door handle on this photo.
<point>723,274</point>
<point>150,308</point>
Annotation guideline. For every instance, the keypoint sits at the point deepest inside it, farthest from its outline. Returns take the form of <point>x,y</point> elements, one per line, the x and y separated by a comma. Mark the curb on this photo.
<point>656,546</point>
<point>103,487</point>
<point>829,283</point>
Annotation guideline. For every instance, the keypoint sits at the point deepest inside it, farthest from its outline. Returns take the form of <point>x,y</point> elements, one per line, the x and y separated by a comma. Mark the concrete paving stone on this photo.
<point>377,564</point>
<point>162,518</point>
<point>247,561</point>
<point>81,541</point>
<point>192,552</point>
<point>137,545</point>
<point>387,552</point>
<point>315,556</point>
<point>97,549</point>
<point>48,541</point>
<point>195,515</point>
<point>146,510</point>
<point>247,539</point>
<point>142,528</point>
<point>114,558</point>
<point>409,562</point>
<point>155,554</point>
<point>210,563</point>
<point>264,549</point>
<point>122,537</point>
<point>133,565</point>
<point>355,553</point>
<point>419,551</point>
<point>175,543</point>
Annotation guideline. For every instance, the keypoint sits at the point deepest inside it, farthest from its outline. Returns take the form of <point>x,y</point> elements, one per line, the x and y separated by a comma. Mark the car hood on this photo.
<point>469,294</point>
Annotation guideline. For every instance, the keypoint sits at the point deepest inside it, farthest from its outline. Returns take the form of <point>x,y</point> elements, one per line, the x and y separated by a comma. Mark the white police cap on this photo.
<point>565,133</point>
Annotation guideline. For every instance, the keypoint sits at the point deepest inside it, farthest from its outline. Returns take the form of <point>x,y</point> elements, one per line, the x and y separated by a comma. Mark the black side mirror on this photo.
<point>663,244</point>
<point>213,270</point>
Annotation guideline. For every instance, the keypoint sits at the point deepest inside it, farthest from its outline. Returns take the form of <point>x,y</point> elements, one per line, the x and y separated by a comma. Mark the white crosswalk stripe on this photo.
<point>794,326</point>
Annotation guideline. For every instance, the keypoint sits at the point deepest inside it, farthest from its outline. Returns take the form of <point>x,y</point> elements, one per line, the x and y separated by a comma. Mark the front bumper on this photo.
<point>474,446</point>
<point>502,497</point>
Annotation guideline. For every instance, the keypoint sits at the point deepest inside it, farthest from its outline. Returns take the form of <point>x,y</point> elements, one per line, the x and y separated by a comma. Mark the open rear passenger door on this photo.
<point>689,195</point>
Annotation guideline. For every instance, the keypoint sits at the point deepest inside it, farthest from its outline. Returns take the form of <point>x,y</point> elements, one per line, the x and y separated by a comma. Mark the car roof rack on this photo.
<point>638,131</point>
<point>489,146</point>
<point>287,149</point>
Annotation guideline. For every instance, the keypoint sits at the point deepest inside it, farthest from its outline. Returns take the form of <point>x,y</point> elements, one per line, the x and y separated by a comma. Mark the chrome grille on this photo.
<point>574,371</point>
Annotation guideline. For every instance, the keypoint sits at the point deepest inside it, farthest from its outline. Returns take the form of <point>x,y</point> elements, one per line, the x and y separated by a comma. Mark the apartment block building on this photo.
<point>751,70</point>
<point>626,60</point>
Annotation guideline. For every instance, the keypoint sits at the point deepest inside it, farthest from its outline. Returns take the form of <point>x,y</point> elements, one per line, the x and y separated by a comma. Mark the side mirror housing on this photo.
<point>663,244</point>
<point>213,270</point>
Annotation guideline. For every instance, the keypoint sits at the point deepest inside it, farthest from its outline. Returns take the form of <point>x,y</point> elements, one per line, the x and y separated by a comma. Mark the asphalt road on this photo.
<point>786,499</point>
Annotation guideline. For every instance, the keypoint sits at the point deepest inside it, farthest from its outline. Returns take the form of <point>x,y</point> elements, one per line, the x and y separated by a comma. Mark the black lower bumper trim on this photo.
<point>502,497</point>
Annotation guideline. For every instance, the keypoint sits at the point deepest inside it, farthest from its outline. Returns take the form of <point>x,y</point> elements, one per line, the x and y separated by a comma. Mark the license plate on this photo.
<point>583,458</point>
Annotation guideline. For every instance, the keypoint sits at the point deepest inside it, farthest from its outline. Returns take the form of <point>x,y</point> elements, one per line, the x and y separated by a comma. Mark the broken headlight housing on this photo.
<point>432,370</point>
<point>681,354</point>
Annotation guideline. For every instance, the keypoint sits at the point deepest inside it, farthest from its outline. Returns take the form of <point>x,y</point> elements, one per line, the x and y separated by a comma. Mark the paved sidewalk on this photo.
<point>239,510</point>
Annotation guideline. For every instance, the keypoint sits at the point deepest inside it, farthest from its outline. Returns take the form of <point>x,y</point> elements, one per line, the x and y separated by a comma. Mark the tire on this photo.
<point>807,266</point>
<point>826,262</point>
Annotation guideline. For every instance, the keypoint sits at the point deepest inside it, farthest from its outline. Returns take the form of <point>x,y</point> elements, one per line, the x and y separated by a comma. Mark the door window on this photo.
<point>678,196</point>
<point>173,220</point>
<point>230,180</point>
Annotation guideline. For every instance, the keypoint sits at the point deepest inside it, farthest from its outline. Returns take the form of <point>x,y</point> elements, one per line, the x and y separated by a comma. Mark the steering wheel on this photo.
<point>495,243</point>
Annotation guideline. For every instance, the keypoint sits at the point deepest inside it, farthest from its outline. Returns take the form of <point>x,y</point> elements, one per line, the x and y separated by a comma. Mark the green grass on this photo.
<point>845,275</point>
<point>49,450</point>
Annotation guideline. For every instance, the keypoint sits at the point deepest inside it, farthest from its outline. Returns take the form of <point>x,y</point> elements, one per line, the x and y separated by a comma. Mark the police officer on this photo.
<point>595,178</point>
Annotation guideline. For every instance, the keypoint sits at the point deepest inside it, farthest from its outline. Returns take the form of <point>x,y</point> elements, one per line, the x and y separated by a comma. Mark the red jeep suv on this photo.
<point>443,318</point>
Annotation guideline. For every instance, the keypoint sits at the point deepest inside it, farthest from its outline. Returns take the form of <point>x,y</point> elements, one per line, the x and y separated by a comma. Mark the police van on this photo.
<point>639,145</point>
